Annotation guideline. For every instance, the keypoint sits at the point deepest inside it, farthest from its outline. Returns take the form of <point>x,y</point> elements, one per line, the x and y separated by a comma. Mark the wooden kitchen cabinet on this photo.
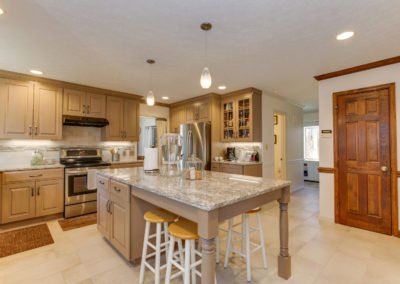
<point>198,111</point>
<point>30,110</point>
<point>113,214</point>
<point>79,103</point>
<point>247,170</point>
<point>241,116</point>
<point>29,194</point>
<point>178,116</point>
<point>122,114</point>
<point>49,197</point>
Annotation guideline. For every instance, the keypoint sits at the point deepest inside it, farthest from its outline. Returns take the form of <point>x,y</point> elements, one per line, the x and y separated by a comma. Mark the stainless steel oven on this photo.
<point>79,199</point>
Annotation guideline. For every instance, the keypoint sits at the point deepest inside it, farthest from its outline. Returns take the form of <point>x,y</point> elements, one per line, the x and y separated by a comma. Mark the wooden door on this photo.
<point>47,112</point>
<point>131,120</point>
<point>96,105</point>
<point>16,109</point>
<point>120,227</point>
<point>115,116</point>
<point>74,102</point>
<point>363,159</point>
<point>228,120</point>
<point>18,201</point>
<point>49,197</point>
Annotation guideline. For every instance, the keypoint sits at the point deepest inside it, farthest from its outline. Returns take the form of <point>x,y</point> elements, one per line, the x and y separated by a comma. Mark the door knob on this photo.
<point>384,169</point>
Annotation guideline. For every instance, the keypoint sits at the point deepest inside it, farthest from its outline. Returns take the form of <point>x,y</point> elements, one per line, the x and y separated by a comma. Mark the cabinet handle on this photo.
<point>87,109</point>
<point>117,189</point>
<point>32,191</point>
<point>30,130</point>
<point>107,206</point>
<point>35,176</point>
<point>38,191</point>
<point>83,108</point>
<point>101,182</point>
<point>110,207</point>
<point>36,130</point>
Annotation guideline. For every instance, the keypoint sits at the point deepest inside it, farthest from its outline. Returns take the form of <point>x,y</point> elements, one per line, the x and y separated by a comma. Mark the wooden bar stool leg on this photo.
<point>228,243</point>
<point>248,248</point>
<point>169,261</point>
<point>261,236</point>
<point>158,253</point>
<point>193,260</point>
<point>187,263</point>
<point>144,253</point>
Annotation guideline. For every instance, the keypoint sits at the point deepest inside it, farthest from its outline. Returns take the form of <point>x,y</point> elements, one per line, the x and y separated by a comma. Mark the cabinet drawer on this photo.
<point>232,169</point>
<point>215,167</point>
<point>119,192</point>
<point>33,175</point>
<point>126,165</point>
<point>103,185</point>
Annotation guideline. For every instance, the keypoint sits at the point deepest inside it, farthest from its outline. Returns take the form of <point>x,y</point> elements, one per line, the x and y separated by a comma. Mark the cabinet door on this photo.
<point>115,116</point>
<point>18,202</point>
<point>191,113</point>
<point>243,118</point>
<point>131,120</point>
<point>16,109</point>
<point>178,116</point>
<point>74,102</point>
<point>47,112</point>
<point>96,105</point>
<point>203,111</point>
<point>120,227</point>
<point>228,120</point>
<point>49,197</point>
<point>103,217</point>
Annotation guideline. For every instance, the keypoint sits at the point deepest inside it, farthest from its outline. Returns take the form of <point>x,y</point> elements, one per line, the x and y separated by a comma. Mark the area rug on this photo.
<point>77,222</point>
<point>20,240</point>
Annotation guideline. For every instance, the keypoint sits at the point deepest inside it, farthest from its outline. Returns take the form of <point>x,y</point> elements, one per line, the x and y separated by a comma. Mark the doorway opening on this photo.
<point>279,145</point>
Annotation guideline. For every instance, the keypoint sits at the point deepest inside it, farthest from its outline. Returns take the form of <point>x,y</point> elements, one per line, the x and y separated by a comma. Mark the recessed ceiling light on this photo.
<point>1,11</point>
<point>222,87</point>
<point>165,98</point>
<point>36,72</point>
<point>345,35</point>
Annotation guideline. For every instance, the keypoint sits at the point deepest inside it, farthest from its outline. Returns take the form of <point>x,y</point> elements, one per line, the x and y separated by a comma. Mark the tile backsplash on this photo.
<point>20,151</point>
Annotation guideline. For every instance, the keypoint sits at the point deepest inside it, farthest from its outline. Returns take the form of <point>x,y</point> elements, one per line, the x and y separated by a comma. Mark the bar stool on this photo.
<point>244,236</point>
<point>187,231</point>
<point>158,217</point>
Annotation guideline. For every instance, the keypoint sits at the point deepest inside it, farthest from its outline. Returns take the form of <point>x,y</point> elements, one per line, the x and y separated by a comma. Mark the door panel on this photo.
<point>103,218</point>
<point>96,105</point>
<point>18,201</point>
<point>49,197</point>
<point>47,112</point>
<point>115,116</point>
<point>363,148</point>
<point>16,109</point>
<point>74,102</point>
<point>120,228</point>
<point>131,123</point>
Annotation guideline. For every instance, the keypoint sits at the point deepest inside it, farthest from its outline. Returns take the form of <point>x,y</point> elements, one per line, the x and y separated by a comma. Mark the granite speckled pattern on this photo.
<point>27,167</point>
<point>215,190</point>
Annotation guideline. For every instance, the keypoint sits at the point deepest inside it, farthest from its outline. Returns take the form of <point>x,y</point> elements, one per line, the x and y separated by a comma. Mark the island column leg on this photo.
<point>284,259</point>
<point>208,261</point>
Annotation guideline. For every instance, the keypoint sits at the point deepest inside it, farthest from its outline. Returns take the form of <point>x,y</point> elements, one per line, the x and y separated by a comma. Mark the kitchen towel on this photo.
<point>91,179</point>
<point>150,159</point>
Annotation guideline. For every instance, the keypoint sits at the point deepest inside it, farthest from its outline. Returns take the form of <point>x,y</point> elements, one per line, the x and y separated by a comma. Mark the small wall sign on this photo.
<point>326,133</point>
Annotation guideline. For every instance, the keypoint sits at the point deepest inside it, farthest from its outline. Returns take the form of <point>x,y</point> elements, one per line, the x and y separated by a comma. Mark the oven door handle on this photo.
<point>75,172</point>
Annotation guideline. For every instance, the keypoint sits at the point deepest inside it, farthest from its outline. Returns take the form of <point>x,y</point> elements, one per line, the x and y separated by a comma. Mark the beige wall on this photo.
<point>373,77</point>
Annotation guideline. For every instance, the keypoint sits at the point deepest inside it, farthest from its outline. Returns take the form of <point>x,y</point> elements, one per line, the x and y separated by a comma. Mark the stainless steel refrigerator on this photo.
<point>197,141</point>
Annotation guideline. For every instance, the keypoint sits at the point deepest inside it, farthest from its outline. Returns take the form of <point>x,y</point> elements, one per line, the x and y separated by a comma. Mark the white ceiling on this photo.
<point>276,46</point>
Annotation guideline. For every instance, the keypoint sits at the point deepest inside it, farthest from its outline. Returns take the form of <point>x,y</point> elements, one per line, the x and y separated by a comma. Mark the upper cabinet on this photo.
<point>79,103</point>
<point>122,114</point>
<point>30,110</point>
<point>198,111</point>
<point>178,116</point>
<point>241,116</point>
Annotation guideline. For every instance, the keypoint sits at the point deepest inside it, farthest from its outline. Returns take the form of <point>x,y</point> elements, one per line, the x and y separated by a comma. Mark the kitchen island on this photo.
<point>215,198</point>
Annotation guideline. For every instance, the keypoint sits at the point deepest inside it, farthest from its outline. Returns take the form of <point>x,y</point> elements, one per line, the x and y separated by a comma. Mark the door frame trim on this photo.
<point>393,149</point>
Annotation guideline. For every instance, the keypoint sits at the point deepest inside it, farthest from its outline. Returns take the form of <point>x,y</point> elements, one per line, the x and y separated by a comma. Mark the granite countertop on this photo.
<point>215,190</point>
<point>125,162</point>
<point>238,163</point>
<point>27,167</point>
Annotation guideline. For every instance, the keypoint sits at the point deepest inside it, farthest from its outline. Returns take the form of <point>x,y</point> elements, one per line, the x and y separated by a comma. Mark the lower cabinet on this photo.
<point>29,197</point>
<point>126,165</point>
<point>113,214</point>
<point>247,170</point>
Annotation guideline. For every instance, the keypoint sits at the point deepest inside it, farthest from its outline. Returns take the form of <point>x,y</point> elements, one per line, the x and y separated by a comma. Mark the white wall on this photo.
<point>294,139</point>
<point>311,118</point>
<point>377,76</point>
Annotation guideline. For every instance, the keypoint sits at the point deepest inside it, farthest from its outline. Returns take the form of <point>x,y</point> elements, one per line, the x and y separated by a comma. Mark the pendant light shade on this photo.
<point>150,98</point>
<point>205,78</point>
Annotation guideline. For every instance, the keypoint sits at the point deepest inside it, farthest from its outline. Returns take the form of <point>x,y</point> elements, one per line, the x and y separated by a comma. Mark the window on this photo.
<point>311,143</point>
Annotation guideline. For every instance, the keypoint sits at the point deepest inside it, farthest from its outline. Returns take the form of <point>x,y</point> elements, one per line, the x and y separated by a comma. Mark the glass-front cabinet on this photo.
<point>241,117</point>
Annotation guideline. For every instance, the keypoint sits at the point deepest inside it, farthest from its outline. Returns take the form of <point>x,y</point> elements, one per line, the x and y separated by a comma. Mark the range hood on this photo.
<point>84,121</point>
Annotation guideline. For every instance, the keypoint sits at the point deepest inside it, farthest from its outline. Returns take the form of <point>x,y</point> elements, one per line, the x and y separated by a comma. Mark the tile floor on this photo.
<point>322,252</point>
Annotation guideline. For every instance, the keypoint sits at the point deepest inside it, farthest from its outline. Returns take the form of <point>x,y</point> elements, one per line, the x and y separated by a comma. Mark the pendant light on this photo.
<point>150,95</point>
<point>205,78</point>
